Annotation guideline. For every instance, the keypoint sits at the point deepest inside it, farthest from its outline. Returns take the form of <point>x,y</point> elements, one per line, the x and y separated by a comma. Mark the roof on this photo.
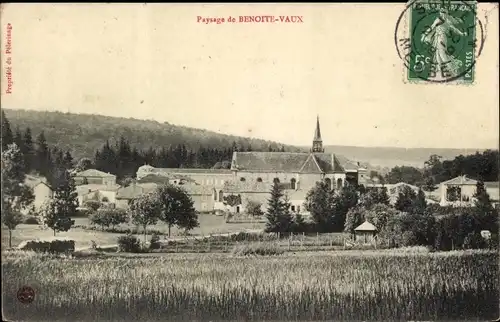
<point>366,226</point>
<point>162,179</point>
<point>188,171</point>
<point>94,173</point>
<point>86,188</point>
<point>460,180</point>
<point>317,132</point>
<point>492,184</point>
<point>286,162</point>
<point>33,181</point>
<point>135,190</point>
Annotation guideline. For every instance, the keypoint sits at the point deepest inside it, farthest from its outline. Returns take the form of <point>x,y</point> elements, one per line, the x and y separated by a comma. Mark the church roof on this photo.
<point>317,132</point>
<point>286,162</point>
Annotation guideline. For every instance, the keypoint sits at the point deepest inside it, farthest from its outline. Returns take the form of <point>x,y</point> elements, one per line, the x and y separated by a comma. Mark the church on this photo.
<point>252,174</point>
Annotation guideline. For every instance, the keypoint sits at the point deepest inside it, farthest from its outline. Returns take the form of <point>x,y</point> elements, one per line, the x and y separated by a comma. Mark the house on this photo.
<point>460,191</point>
<point>202,196</point>
<point>295,170</point>
<point>93,176</point>
<point>207,177</point>
<point>105,193</point>
<point>125,195</point>
<point>41,191</point>
<point>365,233</point>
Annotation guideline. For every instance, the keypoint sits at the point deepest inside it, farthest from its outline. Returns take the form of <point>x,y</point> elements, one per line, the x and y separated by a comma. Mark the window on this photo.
<point>339,183</point>
<point>276,180</point>
<point>292,183</point>
<point>259,179</point>
<point>293,208</point>
<point>221,195</point>
<point>242,179</point>
<point>215,195</point>
<point>328,182</point>
<point>238,209</point>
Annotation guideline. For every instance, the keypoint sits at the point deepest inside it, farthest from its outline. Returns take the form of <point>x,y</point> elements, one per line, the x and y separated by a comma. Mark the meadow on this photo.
<point>347,285</point>
<point>209,224</point>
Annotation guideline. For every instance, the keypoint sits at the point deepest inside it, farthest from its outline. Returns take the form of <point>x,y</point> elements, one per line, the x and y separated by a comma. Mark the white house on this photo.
<point>460,191</point>
<point>41,190</point>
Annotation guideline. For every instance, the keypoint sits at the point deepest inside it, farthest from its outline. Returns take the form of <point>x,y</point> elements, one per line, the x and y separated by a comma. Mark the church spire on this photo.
<point>317,141</point>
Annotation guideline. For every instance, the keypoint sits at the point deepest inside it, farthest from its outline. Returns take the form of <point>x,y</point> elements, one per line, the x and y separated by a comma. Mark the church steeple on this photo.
<point>317,141</point>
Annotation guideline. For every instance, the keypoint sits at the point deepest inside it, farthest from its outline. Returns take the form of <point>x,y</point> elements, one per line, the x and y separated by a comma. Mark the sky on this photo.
<point>268,81</point>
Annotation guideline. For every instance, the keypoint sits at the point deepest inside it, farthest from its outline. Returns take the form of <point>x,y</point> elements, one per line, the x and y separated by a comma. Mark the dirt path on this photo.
<point>183,238</point>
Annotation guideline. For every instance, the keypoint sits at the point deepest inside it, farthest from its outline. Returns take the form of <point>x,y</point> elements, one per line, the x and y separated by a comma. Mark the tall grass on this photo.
<point>323,286</point>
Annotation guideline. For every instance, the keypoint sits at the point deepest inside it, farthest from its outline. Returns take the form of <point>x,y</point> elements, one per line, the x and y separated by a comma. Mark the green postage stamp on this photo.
<point>439,41</point>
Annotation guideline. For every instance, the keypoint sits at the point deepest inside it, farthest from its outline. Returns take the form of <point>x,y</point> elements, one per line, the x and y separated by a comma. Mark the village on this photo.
<point>248,183</point>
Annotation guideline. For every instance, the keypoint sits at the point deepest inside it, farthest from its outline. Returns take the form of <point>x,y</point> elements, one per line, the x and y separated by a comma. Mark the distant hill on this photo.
<point>387,157</point>
<point>83,134</point>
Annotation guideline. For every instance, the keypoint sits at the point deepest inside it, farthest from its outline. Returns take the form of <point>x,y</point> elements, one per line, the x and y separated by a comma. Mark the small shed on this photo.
<point>365,232</point>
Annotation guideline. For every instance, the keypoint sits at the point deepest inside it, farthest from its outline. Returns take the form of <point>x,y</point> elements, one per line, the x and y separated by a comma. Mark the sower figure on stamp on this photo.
<point>437,35</point>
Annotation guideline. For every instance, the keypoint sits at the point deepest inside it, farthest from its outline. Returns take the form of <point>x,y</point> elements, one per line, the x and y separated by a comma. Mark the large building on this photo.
<point>252,174</point>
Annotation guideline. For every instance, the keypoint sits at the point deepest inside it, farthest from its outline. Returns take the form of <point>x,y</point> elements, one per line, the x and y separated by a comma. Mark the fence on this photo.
<point>224,243</point>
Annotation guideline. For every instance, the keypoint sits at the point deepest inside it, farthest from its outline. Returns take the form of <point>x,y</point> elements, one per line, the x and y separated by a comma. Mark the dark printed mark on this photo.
<point>26,294</point>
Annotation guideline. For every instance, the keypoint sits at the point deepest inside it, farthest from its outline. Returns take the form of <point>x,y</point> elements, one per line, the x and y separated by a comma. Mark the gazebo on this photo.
<point>365,232</point>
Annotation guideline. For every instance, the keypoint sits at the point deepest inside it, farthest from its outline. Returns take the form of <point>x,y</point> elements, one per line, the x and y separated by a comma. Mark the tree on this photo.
<point>405,199</point>
<point>320,202</point>
<point>43,159</point>
<point>405,174</point>
<point>420,204</point>
<point>93,205</point>
<point>117,216</point>
<point>375,196</point>
<point>84,164</point>
<point>7,136</point>
<point>67,161</point>
<point>145,211</point>
<point>16,195</point>
<point>347,199</point>
<point>278,215</point>
<point>232,200</point>
<point>176,207</point>
<point>254,208</point>
<point>429,184</point>
<point>353,219</point>
<point>58,213</point>
<point>29,151</point>
<point>482,200</point>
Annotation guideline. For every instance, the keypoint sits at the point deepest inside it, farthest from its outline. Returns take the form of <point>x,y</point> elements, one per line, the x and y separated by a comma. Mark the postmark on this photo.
<point>439,41</point>
<point>26,294</point>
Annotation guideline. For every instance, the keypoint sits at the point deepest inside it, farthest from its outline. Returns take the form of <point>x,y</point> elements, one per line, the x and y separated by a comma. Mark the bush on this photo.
<point>93,205</point>
<point>117,216</point>
<point>258,249</point>
<point>154,242</point>
<point>82,212</point>
<point>31,220</point>
<point>49,246</point>
<point>129,243</point>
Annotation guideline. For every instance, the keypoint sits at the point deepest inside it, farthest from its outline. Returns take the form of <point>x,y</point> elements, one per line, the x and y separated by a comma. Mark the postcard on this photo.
<point>250,162</point>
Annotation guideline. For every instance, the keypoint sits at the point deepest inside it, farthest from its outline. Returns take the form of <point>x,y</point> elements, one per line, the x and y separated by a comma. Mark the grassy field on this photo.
<point>369,285</point>
<point>209,224</point>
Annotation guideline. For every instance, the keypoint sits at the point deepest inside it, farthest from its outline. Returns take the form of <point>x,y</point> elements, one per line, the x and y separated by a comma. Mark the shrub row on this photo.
<point>52,246</point>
